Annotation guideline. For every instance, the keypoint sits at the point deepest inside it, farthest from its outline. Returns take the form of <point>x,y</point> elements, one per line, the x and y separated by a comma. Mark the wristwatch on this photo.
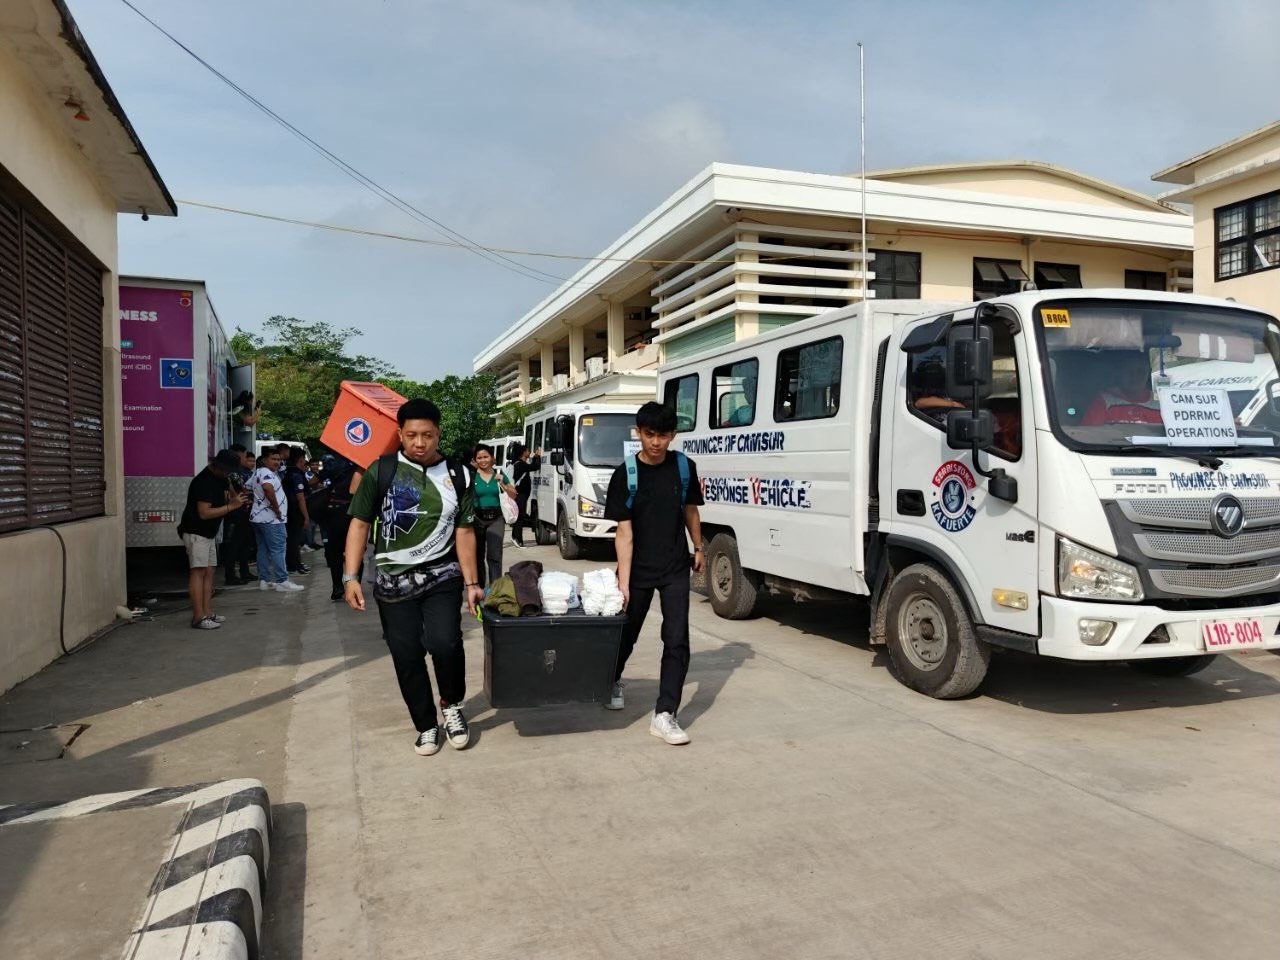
<point>351,578</point>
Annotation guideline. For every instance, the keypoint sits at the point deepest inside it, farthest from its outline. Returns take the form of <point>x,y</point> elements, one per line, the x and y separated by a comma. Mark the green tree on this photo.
<point>510,420</point>
<point>299,370</point>
<point>467,406</point>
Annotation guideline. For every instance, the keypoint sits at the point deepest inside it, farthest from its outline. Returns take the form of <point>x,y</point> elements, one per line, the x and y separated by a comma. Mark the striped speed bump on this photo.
<point>206,900</point>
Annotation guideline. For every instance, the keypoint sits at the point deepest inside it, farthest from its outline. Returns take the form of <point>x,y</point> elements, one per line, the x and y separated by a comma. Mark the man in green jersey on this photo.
<point>425,552</point>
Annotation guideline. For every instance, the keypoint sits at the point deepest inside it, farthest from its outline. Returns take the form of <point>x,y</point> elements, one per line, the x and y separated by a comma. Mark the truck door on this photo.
<point>940,501</point>
<point>241,384</point>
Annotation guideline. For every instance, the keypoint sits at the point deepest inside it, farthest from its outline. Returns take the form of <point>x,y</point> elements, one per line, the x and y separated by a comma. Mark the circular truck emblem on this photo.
<point>953,487</point>
<point>358,431</point>
<point>1226,515</point>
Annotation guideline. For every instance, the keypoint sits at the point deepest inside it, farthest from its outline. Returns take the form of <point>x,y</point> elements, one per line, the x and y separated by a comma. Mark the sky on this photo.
<point>555,125</point>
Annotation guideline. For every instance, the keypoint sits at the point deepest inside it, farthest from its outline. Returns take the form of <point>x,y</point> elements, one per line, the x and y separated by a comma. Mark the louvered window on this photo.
<point>51,439</point>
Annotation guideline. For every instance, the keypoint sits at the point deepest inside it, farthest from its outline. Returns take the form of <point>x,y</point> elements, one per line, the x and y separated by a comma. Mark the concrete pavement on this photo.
<point>822,810</point>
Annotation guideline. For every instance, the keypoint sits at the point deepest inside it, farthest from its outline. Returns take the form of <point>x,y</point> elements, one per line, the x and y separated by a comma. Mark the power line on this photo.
<point>382,235</point>
<point>498,259</point>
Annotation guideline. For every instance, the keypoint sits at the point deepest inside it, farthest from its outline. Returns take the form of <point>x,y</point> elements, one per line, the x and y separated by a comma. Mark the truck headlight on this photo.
<point>1088,575</point>
<point>589,508</point>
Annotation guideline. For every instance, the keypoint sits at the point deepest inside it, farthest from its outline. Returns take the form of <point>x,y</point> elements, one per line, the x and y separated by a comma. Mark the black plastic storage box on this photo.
<point>531,661</point>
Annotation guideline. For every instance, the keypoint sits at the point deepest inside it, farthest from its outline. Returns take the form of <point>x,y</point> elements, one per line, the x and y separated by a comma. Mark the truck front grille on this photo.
<point>1230,582</point>
<point>1208,547</point>
<point>1193,513</point>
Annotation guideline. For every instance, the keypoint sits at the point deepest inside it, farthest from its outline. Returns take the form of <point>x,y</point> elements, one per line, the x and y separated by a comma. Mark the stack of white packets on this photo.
<point>600,594</point>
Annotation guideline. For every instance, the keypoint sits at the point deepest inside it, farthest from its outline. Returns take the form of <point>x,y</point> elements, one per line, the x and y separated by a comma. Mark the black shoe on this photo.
<point>455,727</point>
<point>336,595</point>
<point>301,568</point>
<point>235,582</point>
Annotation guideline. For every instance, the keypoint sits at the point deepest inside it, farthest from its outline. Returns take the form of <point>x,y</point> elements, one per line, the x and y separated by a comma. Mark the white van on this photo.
<point>581,443</point>
<point>1074,482</point>
<point>503,448</point>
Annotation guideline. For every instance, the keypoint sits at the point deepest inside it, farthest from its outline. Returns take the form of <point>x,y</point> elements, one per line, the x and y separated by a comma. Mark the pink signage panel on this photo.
<point>157,371</point>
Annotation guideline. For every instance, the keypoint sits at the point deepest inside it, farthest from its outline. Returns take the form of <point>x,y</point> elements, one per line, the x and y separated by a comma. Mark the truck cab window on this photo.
<point>733,394</point>
<point>537,435</point>
<point>927,396</point>
<point>682,394</point>
<point>808,381</point>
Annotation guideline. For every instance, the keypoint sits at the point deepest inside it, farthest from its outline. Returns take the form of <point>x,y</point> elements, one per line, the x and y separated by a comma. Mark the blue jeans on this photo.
<point>271,540</point>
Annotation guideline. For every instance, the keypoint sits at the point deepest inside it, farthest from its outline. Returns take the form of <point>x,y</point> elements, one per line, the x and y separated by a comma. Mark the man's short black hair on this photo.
<point>418,409</point>
<point>296,454</point>
<point>238,448</point>
<point>657,417</point>
<point>282,448</point>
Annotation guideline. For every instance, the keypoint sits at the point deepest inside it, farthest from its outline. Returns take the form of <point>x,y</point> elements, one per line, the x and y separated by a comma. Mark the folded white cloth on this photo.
<point>600,594</point>
<point>559,592</point>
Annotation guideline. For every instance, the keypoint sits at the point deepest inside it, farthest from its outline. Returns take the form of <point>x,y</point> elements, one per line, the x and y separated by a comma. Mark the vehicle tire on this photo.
<point>932,645</point>
<point>733,590</point>
<point>1174,666</point>
<point>570,546</point>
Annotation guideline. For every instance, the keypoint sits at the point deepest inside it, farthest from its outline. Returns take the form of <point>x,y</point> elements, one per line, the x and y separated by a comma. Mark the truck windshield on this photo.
<point>602,438</point>
<point>1123,374</point>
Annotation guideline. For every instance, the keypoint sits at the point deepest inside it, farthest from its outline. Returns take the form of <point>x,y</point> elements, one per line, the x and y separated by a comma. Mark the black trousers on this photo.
<point>522,521</point>
<point>336,523</point>
<point>293,545</point>
<point>489,549</point>
<point>237,544</point>
<point>674,597</point>
<point>429,624</point>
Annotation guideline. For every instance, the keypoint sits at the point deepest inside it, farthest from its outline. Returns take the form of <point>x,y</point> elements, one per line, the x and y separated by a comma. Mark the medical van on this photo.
<point>1065,473</point>
<point>581,444</point>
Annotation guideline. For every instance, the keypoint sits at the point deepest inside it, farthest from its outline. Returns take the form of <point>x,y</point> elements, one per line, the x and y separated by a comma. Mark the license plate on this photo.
<point>1220,635</point>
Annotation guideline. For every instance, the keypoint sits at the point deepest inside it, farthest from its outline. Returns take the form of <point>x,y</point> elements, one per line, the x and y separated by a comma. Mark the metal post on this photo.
<point>862,152</point>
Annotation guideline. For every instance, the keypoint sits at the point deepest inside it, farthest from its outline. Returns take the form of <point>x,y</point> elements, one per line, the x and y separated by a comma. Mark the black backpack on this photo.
<point>385,467</point>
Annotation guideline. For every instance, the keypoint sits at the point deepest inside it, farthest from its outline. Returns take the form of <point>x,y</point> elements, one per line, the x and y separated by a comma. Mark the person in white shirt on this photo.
<point>269,515</point>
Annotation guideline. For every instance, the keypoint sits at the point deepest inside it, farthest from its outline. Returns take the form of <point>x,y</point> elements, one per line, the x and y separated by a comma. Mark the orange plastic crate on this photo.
<point>363,424</point>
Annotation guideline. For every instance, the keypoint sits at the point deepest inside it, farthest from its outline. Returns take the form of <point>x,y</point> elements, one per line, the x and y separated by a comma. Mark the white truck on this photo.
<point>503,448</point>
<point>1059,472</point>
<point>582,443</point>
<point>179,384</point>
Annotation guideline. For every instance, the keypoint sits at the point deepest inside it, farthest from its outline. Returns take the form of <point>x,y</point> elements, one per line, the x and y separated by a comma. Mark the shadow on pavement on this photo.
<point>1073,687</point>
<point>282,912</point>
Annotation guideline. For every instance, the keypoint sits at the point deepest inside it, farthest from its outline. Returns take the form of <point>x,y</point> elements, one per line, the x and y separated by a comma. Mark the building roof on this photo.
<point>44,37</point>
<point>1184,171</point>
<point>1039,166</point>
<point>706,203</point>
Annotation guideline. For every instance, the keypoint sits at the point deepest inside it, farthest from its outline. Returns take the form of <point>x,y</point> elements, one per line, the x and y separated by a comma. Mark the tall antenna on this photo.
<point>862,152</point>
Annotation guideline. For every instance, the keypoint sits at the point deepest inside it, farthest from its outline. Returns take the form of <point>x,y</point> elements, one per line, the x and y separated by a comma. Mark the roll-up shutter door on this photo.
<point>51,390</point>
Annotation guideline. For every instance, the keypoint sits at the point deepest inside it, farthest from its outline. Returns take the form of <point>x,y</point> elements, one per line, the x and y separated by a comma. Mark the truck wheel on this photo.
<point>930,637</point>
<point>733,590</point>
<point>1174,666</point>
<point>570,546</point>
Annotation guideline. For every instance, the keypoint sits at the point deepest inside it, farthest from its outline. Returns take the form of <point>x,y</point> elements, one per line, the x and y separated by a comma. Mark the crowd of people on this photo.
<point>438,529</point>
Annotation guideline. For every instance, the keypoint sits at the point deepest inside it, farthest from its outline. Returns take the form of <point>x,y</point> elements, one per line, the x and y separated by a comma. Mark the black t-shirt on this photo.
<point>521,475</point>
<point>204,488</point>
<point>295,482</point>
<point>660,550</point>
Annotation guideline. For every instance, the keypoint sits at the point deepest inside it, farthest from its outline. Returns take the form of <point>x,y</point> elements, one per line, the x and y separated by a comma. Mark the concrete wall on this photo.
<point>38,153</point>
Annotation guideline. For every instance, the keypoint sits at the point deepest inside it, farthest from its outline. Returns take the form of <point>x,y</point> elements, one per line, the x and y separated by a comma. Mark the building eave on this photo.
<point>55,55</point>
<point>1223,178</point>
<point>1184,170</point>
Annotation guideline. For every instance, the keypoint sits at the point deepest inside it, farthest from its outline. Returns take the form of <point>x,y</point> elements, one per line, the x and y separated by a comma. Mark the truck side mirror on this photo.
<point>557,458</point>
<point>1273,396</point>
<point>967,430</point>
<point>969,362</point>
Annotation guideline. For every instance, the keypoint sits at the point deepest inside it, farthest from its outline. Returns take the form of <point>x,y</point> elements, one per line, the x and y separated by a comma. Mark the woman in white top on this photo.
<point>270,510</point>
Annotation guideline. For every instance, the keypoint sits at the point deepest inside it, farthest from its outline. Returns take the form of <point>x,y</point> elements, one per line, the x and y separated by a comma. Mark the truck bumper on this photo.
<point>1134,626</point>
<point>590,528</point>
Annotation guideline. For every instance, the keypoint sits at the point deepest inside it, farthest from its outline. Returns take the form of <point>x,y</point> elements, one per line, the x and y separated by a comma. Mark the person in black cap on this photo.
<point>209,499</point>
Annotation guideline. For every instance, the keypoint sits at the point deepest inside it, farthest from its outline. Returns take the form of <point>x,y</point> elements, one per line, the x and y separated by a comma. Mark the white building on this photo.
<point>739,250</point>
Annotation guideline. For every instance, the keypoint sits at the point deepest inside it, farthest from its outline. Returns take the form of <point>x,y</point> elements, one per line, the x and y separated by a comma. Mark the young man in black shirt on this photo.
<point>653,511</point>
<point>298,519</point>
<point>208,501</point>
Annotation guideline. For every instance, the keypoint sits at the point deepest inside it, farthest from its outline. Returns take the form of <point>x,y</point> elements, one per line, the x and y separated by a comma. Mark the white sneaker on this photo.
<point>664,725</point>
<point>428,742</point>
<point>288,586</point>
<point>616,701</point>
<point>264,585</point>
<point>216,618</point>
<point>208,623</point>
